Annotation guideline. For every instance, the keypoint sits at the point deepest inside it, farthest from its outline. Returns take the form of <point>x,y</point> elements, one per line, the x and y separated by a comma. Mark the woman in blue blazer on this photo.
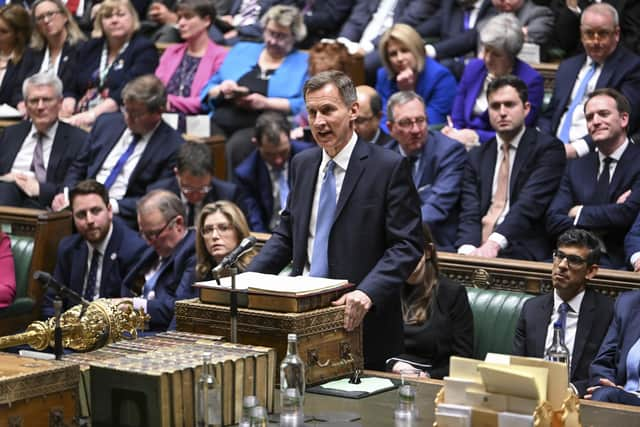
<point>406,67</point>
<point>501,39</point>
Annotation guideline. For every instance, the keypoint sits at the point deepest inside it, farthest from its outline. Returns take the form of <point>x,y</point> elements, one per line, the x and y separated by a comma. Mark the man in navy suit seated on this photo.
<point>94,261</point>
<point>36,153</point>
<point>583,313</point>
<point>601,191</point>
<point>437,163</point>
<point>367,124</point>
<point>166,270</point>
<point>194,183</point>
<point>263,177</point>
<point>128,151</point>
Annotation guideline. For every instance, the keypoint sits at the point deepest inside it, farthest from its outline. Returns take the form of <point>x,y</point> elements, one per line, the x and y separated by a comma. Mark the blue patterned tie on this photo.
<point>562,318</point>
<point>326,212</point>
<point>90,289</point>
<point>633,368</point>
<point>283,186</point>
<point>566,126</point>
<point>121,161</point>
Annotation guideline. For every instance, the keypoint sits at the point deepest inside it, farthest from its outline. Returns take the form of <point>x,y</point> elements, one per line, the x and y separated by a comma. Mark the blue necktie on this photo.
<point>633,368</point>
<point>150,285</point>
<point>121,162</point>
<point>467,18</point>
<point>283,186</point>
<point>566,126</point>
<point>562,318</point>
<point>326,212</point>
<point>90,289</point>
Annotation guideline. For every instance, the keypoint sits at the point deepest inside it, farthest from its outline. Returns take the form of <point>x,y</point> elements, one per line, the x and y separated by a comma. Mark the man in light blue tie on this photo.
<point>604,63</point>
<point>352,213</point>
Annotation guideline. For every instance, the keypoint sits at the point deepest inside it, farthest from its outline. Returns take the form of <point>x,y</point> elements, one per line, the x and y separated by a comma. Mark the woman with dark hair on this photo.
<point>15,32</point>
<point>7,272</point>
<point>438,322</point>
<point>54,47</point>
<point>185,68</point>
<point>106,63</point>
<point>220,229</point>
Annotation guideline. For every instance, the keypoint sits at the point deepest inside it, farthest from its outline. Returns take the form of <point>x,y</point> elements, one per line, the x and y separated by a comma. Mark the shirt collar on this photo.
<point>514,142</point>
<point>617,154</point>
<point>575,303</point>
<point>49,133</point>
<point>342,158</point>
<point>102,246</point>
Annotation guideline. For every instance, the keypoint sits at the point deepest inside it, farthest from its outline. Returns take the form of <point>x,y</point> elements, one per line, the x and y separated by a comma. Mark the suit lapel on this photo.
<point>487,169</point>
<point>585,320</point>
<point>525,146</point>
<point>356,167</point>
<point>625,164</point>
<point>79,266</point>
<point>307,183</point>
<point>474,91</point>
<point>106,149</point>
<point>14,144</point>
<point>266,193</point>
<point>57,151</point>
<point>544,317</point>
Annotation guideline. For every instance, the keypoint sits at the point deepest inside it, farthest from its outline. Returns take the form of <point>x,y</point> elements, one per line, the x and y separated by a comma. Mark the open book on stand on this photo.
<point>276,293</point>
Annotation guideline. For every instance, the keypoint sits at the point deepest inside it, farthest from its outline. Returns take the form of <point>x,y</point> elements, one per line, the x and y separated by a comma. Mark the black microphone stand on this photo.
<point>57,332</point>
<point>233,301</point>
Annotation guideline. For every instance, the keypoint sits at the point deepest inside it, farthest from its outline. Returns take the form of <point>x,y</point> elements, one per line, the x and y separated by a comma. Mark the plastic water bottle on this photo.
<point>406,414</point>
<point>558,351</point>
<point>209,408</point>
<point>292,385</point>
<point>248,403</point>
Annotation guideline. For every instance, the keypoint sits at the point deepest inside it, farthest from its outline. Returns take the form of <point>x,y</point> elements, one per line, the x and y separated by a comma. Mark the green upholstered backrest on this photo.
<point>495,317</point>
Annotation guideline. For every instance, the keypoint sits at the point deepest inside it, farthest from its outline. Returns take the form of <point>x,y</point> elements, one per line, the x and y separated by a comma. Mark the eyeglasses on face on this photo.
<point>152,235</point>
<point>574,261</point>
<point>408,123</point>
<point>47,16</point>
<point>596,34</point>
<point>208,230</point>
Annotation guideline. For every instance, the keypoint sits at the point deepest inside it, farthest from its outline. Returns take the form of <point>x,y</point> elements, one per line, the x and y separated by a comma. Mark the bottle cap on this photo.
<point>292,337</point>
<point>250,402</point>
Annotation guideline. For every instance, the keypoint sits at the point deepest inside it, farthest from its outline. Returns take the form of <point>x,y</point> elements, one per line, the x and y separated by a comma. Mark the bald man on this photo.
<point>367,123</point>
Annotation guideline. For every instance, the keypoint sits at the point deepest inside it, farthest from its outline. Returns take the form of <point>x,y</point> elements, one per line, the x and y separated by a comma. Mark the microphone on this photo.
<point>229,260</point>
<point>47,280</point>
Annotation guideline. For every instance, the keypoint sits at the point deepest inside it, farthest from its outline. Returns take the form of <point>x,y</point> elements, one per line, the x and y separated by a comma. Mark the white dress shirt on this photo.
<point>24,158</point>
<point>572,321</point>
<point>102,248</point>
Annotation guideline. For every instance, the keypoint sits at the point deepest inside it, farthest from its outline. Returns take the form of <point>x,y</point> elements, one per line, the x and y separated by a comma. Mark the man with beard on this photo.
<point>94,261</point>
<point>583,313</point>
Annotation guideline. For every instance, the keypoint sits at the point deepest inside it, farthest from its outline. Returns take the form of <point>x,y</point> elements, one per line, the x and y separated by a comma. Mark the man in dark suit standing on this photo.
<point>437,163</point>
<point>166,270</point>
<point>509,181</point>
<point>601,191</point>
<point>128,151</point>
<point>264,177</point>
<point>367,124</point>
<point>94,261</point>
<point>194,183</point>
<point>583,313</point>
<point>352,213</point>
<point>35,154</point>
<point>605,63</point>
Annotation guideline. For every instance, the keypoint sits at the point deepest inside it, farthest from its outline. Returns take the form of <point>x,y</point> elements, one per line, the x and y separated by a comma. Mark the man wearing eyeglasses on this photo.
<point>605,63</point>
<point>437,163</point>
<point>194,183</point>
<point>128,151</point>
<point>36,153</point>
<point>367,123</point>
<point>584,314</point>
<point>94,261</point>
<point>166,270</point>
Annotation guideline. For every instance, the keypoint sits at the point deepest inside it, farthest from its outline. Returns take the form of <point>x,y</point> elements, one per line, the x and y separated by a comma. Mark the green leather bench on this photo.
<point>495,317</point>
<point>22,250</point>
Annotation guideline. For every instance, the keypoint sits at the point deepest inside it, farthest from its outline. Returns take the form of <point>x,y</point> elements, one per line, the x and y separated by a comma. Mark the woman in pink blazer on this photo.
<point>185,68</point>
<point>7,272</point>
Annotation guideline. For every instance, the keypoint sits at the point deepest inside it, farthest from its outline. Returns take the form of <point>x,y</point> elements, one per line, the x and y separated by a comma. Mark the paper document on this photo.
<point>8,112</point>
<point>298,285</point>
<point>367,384</point>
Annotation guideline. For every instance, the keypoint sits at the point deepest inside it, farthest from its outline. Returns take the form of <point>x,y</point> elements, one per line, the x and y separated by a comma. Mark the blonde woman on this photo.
<point>15,32</point>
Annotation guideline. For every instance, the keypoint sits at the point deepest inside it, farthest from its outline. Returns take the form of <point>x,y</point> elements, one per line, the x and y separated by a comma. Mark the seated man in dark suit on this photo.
<point>367,124</point>
<point>263,177</point>
<point>632,245</point>
<point>437,164</point>
<point>35,154</point>
<point>128,151</point>
<point>614,372</point>
<point>601,191</point>
<point>605,63</point>
<point>194,183</point>
<point>584,313</point>
<point>509,181</point>
<point>94,261</point>
<point>166,270</point>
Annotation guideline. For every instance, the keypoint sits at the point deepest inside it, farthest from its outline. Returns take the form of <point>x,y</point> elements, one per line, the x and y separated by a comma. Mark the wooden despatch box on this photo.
<point>327,349</point>
<point>37,392</point>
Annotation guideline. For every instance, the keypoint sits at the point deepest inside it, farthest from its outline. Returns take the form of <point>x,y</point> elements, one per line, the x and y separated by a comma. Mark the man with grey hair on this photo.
<point>437,163</point>
<point>604,63</point>
<point>352,213</point>
<point>37,152</point>
<point>128,151</point>
<point>166,270</point>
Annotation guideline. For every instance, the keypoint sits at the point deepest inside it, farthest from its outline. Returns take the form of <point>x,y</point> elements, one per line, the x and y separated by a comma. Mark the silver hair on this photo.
<point>340,80</point>
<point>401,98</point>
<point>503,32</point>
<point>286,16</point>
<point>599,8</point>
<point>44,78</point>
<point>164,201</point>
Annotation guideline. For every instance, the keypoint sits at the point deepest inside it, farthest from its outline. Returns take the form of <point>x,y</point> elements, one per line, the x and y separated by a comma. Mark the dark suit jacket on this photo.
<point>123,251</point>
<point>157,161</point>
<point>138,59</point>
<point>441,171</point>
<point>11,86</point>
<point>593,320</point>
<point>611,360</point>
<point>610,221</point>
<point>621,71</point>
<point>470,87</point>
<point>382,139</point>
<point>632,240</point>
<point>68,142</point>
<point>254,182</point>
<point>174,281</point>
<point>448,331</point>
<point>375,241</point>
<point>535,177</point>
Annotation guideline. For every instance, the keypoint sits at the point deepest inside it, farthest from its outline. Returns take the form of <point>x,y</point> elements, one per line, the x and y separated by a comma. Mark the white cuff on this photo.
<point>430,51</point>
<point>581,146</point>
<point>466,249</point>
<point>115,208</point>
<point>499,239</point>
<point>575,220</point>
<point>368,47</point>
<point>351,46</point>
<point>634,258</point>
<point>140,303</point>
